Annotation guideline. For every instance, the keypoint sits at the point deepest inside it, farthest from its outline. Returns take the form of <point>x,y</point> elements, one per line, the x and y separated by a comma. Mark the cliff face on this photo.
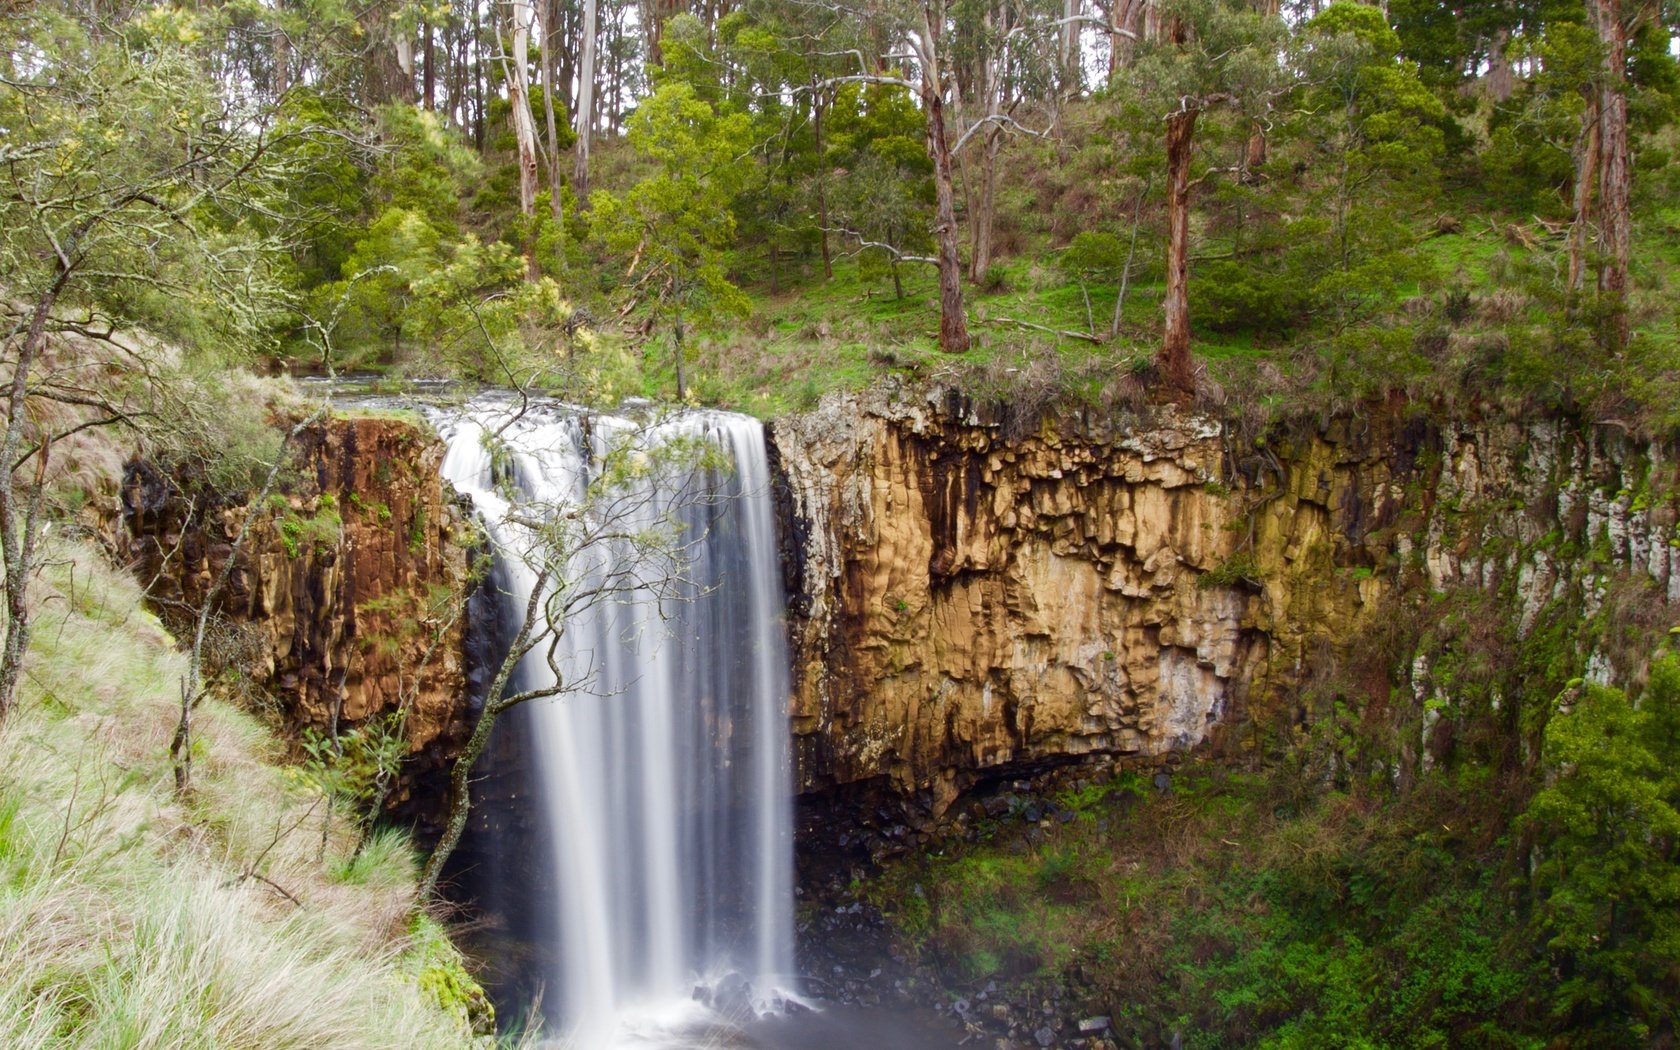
<point>346,602</point>
<point>969,605</point>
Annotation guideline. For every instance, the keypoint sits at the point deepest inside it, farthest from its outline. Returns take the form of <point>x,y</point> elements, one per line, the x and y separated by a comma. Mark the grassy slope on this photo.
<point>813,335</point>
<point>124,919</point>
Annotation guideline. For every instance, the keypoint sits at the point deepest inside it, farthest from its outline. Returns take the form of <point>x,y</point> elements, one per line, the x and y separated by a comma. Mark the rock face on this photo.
<point>346,602</point>
<point>969,605</point>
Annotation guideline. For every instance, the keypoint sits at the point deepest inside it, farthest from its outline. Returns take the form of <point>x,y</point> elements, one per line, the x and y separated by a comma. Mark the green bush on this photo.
<point>1231,297</point>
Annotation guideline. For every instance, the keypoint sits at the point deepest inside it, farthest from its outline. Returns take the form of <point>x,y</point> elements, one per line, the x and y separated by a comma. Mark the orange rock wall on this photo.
<point>350,617</point>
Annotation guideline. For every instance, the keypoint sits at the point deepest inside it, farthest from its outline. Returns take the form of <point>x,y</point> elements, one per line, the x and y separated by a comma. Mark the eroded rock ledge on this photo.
<point>970,606</point>
<point>345,601</point>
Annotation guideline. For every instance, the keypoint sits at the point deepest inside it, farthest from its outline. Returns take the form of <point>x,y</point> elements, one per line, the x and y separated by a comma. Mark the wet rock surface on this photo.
<point>346,604</point>
<point>971,604</point>
<point>852,954</point>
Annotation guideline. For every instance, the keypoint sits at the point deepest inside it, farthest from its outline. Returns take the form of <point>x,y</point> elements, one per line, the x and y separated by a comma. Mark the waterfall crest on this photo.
<point>666,783</point>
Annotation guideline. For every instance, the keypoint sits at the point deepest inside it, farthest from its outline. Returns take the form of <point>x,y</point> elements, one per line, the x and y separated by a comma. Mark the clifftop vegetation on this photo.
<point>1246,203</point>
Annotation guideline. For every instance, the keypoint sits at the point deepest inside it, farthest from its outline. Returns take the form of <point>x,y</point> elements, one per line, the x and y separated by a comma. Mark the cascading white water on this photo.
<point>666,782</point>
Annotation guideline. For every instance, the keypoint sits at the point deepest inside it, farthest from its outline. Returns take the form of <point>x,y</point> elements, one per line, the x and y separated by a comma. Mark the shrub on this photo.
<point>1230,297</point>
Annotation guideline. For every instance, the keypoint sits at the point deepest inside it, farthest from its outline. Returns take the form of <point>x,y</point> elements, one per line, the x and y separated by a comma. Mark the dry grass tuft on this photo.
<point>131,917</point>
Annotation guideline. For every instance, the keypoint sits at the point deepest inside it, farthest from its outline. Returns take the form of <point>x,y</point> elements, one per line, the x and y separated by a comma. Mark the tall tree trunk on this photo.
<point>456,83</point>
<point>1069,51</point>
<point>524,128</point>
<point>428,68</point>
<point>1615,221</point>
<point>383,59</point>
<point>1122,46</point>
<point>822,184</point>
<point>1173,360</point>
<point>282,55</point>
<point>1586,184</point>
<point>19,515</point>
<point>479,77</point>
<point>654,15</point>
<point>677,343</point>
<point>567,43</point>
<point>586,102</point>
<point>545,29</point>
<point>985,208</point>
<point>1070,77</point>
<point>953,322</point>
<point>1255,157</point>
<point>615,74</point>
<point>1499,82</point>
<point>402,44</point>
<point>986,80</point>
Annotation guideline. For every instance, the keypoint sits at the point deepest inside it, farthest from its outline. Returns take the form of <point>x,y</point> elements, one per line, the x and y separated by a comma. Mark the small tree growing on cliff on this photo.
<point>624,540</point>
<point>192,684</point>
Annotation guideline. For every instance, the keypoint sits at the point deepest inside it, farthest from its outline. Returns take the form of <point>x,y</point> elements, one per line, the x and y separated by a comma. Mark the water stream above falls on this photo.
<point>664,840</point>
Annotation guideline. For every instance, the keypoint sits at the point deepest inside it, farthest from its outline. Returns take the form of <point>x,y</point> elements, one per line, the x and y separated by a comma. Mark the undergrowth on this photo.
<point>130,916</point>
<point>1226,912</point>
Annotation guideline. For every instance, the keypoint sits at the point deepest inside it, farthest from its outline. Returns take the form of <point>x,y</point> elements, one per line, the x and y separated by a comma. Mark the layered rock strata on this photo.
<point>969,605</point>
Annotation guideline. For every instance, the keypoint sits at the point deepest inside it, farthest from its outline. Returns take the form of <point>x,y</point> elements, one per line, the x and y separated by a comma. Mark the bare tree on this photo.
<point>623,540</point>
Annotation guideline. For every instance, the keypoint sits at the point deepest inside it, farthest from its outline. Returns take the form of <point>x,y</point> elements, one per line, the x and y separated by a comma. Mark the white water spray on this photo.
<point>667,783</point>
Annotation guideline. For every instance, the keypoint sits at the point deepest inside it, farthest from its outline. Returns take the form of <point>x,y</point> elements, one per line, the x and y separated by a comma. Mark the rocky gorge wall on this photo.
<point>347,602</point>
<point>970,605</point>
<point>974,597</point>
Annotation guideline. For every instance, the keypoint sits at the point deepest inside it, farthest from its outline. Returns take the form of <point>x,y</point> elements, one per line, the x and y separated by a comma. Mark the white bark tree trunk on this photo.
<point>586,102</point>
<point>514,69</point>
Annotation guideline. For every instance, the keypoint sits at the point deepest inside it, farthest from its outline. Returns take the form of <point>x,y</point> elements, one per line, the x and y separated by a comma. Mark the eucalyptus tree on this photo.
<point>585,99</point>
<point>1007,54</point>
<point>884,190</point>
<point>1211,56</point>
<point>675,225</point>
<point>516,66</point>
<point>1618,24</point>
<point>135,192</point>
<point>1375,135</point>
<point>915,45</point>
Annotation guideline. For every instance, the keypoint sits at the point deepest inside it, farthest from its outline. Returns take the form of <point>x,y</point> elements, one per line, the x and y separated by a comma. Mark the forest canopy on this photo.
<point>749,204</point>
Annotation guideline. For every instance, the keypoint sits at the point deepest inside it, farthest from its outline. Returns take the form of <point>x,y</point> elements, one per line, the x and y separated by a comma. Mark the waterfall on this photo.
<point>666,783</point>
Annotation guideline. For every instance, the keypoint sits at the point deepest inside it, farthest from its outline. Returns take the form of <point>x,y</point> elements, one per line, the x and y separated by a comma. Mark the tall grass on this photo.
<point>132,918</point>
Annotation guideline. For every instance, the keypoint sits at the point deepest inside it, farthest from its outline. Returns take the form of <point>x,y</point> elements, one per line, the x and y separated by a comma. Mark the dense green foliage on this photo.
<point>1262,910</point>
<point>1376,203</point>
